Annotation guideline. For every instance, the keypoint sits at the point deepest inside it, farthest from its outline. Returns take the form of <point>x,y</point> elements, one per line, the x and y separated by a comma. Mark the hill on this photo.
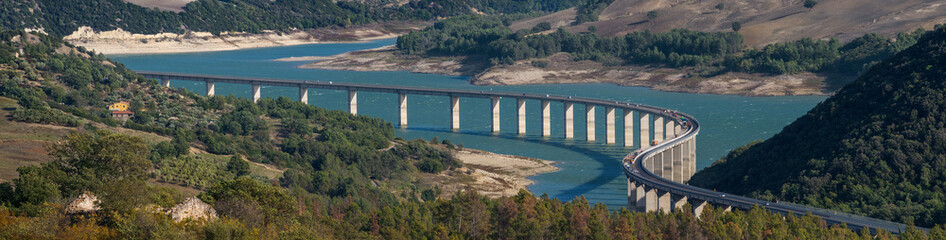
<point>875,148</point>
<point>344,180</point>
<point>763,21</point>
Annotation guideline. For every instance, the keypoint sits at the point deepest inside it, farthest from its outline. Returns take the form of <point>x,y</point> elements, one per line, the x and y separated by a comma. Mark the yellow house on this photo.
<point>119,106</point>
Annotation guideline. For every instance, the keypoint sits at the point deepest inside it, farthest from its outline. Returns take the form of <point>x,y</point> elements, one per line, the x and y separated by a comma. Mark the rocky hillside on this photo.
<point>877,148</point>
<point>762,21</point>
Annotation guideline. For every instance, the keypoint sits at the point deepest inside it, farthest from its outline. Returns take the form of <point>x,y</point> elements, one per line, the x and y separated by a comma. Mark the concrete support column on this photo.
<point>631,195</point>
<point>495,104</point>
<point>727,209</point>
<point>353,102</point>
<point>609,118</point>
<point>165,81</point>
<point>454,112</point>
<point>304,95</point>
<point>256,91</point>
<point>698,208</point>
<point>678,163</point>
<point>590,117</point>
<point>663,201</point>
<point>692,159</point>
<point>569,120</point>
<point>679,202</point>
<point>668,164</point>
<point>659,129</point>
<point>685,172</point>
<point>678,129</point>
<point>656,164</point>
<point>645,130</point>
<point>628,128</point>
<point>668,131</point>
<point>650,200</point>
<point>546,119</point>
<point>640,199</point>
<point>521,109</point>
<point>402,105</point>
<point>211,90</point>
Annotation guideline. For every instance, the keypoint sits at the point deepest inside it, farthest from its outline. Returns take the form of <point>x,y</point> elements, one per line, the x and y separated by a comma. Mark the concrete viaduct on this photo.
<point>657,173</point>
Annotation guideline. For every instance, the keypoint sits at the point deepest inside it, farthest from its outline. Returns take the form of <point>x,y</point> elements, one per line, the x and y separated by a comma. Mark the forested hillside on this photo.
<point>341,182</point>
<point>64,17</point>
<point>875,148</point>
<point>710,53</point>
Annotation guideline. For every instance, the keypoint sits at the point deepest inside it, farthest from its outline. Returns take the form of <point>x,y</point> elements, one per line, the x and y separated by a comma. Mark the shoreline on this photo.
<point>561,69</point>
<point>490,174</point>
<point>120,42</point>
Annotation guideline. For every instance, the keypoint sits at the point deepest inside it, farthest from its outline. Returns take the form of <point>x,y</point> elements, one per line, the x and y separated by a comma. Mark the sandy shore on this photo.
<point>561,69</point>
<point>122,42</point>
<point>493,175</point>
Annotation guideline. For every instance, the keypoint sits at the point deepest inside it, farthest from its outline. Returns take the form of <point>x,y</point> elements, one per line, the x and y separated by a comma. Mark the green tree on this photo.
<point>810,3</point>
<point>238,166</point>
<point>736,26</point>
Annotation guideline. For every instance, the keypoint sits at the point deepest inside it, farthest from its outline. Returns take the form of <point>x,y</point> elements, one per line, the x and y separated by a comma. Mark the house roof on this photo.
<point>122,112</point>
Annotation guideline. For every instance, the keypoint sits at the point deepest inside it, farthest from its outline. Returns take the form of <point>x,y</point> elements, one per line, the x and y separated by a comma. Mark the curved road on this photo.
<point>634,170</point>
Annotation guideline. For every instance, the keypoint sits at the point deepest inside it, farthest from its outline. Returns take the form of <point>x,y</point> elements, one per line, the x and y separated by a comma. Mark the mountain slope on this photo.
<point>765,21</point>
<point>878,147</point>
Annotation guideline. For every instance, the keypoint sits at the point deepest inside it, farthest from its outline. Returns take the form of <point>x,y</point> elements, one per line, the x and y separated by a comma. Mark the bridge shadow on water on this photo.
<point>609,156</point>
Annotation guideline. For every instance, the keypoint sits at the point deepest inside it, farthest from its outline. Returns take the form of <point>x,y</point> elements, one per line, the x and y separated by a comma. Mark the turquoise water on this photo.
<point>591,169</point>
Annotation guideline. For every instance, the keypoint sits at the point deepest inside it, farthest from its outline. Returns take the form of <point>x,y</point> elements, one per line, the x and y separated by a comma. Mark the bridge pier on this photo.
<point>679,203</point>
<point>569,120</point>
<point>640,199</point>
<point>628,128</point>
<point>669,130</point>
<point>685,161</point>
<point>546,119</point>
<point>667,163</point>
<point>495,104</point>
<point>402,106</point>
<point>304,94</point>
<point>656,164</point>
<point>645,129</point>
<point>692,163</point>
<point>650,200</point>
<point>521,108</point>
<point>353,102</point>
<point>454,112</point>
<point>590,118</point>
<point>658,129</point>
<point>166,82</point>
<point>609,119</point>
<point>698,207</point>
<point>256,91</point>
<point>211,90</point>
<point>663,201</point>
<point>677,165</point>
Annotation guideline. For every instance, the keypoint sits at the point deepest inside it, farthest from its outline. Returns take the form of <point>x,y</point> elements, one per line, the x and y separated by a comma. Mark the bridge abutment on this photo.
<point>166,82</point>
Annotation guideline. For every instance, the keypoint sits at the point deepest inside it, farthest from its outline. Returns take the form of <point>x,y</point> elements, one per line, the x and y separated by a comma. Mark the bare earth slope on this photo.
<point>766,21</point>
<point>166,5</point>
